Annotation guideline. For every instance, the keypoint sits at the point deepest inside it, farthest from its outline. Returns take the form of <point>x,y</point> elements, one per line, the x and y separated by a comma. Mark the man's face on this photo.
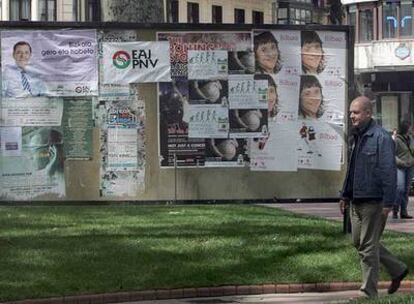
<point>22,55</point>
<point>359,115</point>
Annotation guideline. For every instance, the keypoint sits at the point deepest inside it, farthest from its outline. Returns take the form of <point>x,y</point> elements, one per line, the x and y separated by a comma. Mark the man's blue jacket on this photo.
<point>375,171</point>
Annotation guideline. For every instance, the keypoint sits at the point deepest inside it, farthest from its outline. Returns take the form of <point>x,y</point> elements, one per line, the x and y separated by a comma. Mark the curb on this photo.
<point>231,290</point>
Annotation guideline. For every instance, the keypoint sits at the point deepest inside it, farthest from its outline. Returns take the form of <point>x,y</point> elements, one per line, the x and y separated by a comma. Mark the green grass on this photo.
<point>65,250</point>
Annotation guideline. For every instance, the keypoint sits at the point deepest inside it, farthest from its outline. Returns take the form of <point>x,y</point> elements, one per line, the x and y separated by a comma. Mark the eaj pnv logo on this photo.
<point>121,59</point>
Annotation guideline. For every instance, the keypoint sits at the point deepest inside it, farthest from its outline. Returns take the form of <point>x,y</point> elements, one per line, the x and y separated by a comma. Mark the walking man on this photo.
<point>369,188</point>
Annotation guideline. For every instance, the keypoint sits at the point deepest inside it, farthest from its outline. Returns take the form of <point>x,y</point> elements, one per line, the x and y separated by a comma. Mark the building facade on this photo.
<point>50,10</point>
<point>384,59</point>
<point>221,11</point>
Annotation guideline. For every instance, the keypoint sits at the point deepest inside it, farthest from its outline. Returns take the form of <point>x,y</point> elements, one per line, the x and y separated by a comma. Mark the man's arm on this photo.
<point>387,169</point>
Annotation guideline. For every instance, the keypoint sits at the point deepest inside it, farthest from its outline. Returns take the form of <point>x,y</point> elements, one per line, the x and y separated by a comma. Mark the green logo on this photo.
<point>121,59</point>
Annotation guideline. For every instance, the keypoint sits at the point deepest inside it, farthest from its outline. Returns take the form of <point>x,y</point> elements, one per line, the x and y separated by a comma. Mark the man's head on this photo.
<point>360,111</point>
<point>22,51</point>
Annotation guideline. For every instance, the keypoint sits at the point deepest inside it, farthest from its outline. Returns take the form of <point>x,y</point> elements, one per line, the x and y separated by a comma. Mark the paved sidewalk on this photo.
<point>331,211</point>
<point>308,298</point>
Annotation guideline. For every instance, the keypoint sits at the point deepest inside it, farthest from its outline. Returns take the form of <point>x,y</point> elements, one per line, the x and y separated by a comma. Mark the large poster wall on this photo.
<point>272,100</point>
<point>102,112</point>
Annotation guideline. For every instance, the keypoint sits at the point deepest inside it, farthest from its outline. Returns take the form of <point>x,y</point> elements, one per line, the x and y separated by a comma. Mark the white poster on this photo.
<point>122,149</point>
<point>34,111</point>
<point>277,52</point>
<point>324,65</point>
<point>319,145</point>
<point>245,92</point>
<point>277,152</point>
<point>11,141</point>
<point>208,121</point>
<point>51,63</point>
<point>135,62</point>
<point>118,183</point>
<point>111,90</point>
<point>207,64</point>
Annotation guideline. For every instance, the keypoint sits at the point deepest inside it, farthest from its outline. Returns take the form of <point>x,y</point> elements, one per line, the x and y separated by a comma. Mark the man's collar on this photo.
<point>366,128</point>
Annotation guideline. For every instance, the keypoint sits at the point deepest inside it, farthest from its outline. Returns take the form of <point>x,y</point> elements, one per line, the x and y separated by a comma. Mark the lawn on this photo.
<point>68,250</point>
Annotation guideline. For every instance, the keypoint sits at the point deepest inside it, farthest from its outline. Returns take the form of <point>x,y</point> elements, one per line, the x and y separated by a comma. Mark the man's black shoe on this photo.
<point>395,283</point>
<point>406,216</point>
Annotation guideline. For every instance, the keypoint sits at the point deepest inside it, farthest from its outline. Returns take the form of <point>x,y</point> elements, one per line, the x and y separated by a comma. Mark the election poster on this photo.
<point>133,62</point>
<point>77,127</point>
<point>32,111</point>
<point>111,90</point>
<point>39,170</point>
<point>183,42</point>
<point>49,63</point>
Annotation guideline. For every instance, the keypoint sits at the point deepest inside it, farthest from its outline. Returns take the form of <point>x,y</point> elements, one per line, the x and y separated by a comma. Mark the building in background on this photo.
<point>221,11</point>
<point>302,12</point>
<point>384,59</point>
<point>50,10</point>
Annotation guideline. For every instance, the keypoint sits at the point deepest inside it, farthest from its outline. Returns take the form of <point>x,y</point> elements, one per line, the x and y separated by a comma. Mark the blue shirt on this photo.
<point>19,83</point>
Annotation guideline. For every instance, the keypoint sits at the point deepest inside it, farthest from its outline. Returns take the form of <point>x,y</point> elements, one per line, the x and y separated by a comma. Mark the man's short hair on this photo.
<point>22,43</point>
<point>367,104</point>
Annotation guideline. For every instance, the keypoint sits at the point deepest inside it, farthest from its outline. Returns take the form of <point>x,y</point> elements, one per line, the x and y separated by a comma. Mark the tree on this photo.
<point>336,13</point>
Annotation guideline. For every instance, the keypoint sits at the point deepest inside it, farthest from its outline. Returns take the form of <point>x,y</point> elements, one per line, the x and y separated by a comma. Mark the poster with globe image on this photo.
<point>226,152</point>
<point>248,123</point>
<point>208,92</point>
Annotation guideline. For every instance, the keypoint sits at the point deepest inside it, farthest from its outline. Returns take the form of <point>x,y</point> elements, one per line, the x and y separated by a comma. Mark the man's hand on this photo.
<point>386,211</point>
<point>343,205</point>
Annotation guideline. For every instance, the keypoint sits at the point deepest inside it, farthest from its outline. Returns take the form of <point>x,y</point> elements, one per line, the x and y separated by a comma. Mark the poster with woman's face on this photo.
<point>277,52</point>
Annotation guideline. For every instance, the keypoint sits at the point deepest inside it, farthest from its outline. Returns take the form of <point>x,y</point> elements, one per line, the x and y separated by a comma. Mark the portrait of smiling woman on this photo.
<point>313,55</point>
<point>311,98</point>
<point>267,54</point>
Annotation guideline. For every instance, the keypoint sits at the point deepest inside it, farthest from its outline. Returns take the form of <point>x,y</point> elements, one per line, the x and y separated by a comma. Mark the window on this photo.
<point>192,13</point>
<point>20,10</point>
<point>282,16</point>
<point>299,16</point>
<point>390,20</point>
<point>295,12</point>
<point>352,15</point>
<point>239,16</point>
<point>172,11</point>
<point>406,24</point>
<point>217,14</point>
<point>47,10</point>
<point>93,10</point>
<point>257,17</point>
<point>366,25</point>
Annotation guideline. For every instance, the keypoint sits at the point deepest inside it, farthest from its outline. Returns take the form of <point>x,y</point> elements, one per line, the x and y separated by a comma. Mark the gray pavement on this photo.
<point>306,298</point>
<point>331,211</point>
